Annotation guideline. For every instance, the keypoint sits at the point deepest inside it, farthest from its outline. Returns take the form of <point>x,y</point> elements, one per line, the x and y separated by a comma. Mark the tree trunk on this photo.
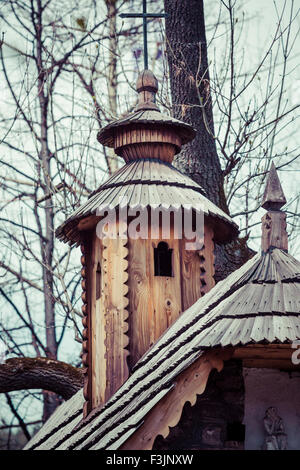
<point>53,376</point>
<point>189,76</point>
<point>190,90</point>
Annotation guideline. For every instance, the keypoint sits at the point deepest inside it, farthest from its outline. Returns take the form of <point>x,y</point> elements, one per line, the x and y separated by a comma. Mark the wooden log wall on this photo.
<point>197,270</point>
<point>120,271</point>
<point>105,318</point>
<point>155,301</point>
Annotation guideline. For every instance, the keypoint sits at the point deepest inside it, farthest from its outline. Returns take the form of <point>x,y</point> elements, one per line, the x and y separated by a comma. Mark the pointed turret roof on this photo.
<point>273,198</point>
<point>274,234</point>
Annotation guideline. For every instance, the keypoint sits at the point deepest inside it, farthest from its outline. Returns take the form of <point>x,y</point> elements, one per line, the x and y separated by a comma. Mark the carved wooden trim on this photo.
<point>86,251</point>
<point>167,413</point>
<point>207,261</point>
<point>197,269</point>
<point>115,303</point>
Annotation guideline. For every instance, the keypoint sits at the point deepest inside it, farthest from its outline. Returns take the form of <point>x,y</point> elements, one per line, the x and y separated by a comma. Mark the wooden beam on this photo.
<point>271,356</point>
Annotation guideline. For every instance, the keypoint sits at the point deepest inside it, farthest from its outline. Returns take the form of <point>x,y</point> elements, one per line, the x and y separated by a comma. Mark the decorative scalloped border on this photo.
<point>85,332</point>
<point>207,263</point>
<point>167,412</point>
<point>121,313</point>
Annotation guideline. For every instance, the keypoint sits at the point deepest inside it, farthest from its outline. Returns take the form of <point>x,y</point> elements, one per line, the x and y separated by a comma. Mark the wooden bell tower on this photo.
<point>134,288</point>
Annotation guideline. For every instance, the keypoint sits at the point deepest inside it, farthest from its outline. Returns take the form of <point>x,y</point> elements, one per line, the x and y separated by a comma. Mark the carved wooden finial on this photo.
<point>274,197</point>
<point>274,234</point>
<point>146,86</point>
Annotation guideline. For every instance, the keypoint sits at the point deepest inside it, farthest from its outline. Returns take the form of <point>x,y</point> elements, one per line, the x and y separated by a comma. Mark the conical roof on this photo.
<point>148,183</point>
<point>273,198</point>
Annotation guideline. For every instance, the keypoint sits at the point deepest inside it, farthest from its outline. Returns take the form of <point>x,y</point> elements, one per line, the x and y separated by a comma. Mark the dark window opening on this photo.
<point>98,281</point>
<point>163,260</point>
<point>235,432</point>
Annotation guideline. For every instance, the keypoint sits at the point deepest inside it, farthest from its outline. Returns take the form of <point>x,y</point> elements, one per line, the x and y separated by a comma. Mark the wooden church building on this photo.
<point>156,328</point>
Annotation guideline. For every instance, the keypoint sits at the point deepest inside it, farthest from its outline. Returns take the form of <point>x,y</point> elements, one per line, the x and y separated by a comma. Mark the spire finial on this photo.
<point>147,86</point>
<point>274,234</point>
<point>273,198</point>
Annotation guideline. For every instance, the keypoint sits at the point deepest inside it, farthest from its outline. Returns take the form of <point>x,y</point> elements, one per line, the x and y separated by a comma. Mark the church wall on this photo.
<point>271,387</point>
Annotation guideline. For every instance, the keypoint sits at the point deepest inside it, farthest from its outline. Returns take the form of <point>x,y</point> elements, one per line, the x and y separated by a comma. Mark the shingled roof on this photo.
<point>151,118</point>
<point>147,140</point>
<point>258,303</point>
<point>148,183</point>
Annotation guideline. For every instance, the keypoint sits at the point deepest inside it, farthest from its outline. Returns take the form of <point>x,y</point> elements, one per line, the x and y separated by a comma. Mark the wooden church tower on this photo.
<point>135,287</point>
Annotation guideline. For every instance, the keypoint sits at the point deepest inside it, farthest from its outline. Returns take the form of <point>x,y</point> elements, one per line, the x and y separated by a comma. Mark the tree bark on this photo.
<point>189,77</point>
<point>191,99</point>
<point>190,90</point>
<point>40,373</point>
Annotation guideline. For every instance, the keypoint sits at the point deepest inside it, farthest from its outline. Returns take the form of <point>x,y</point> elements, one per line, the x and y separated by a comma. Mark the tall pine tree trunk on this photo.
<point>190,90</point>
<point>189,76</point>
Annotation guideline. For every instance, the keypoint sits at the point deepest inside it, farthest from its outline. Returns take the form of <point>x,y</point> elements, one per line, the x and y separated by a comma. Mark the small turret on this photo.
<point>137,282</point>
<point>274,234</point>
<point>146,133</point>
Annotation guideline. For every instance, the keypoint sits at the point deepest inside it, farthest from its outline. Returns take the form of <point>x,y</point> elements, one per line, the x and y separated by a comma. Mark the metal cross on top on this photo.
<point>145,16</point>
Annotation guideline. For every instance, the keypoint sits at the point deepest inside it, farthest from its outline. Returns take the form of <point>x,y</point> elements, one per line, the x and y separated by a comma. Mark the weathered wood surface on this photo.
<point>197,269</point>
<point>147,87</point>
<point>167,412</point>
<point>68,412</point>
<point>150,119</point>
<point>270,356</point>
<point>155,301</point>
<point>86,275</point>
<point>137,142</point>
<point>273,198</point>
<point>115,313</point>
<point>25,373</point>
<point>274,232</point>
<point>105,318</point>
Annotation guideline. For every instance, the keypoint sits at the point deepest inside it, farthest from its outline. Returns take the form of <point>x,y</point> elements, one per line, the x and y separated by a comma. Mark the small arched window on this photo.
<point>163,260</point>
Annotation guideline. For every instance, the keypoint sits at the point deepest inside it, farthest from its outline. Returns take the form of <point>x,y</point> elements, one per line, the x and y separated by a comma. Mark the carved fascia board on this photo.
<point>167,413</point>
